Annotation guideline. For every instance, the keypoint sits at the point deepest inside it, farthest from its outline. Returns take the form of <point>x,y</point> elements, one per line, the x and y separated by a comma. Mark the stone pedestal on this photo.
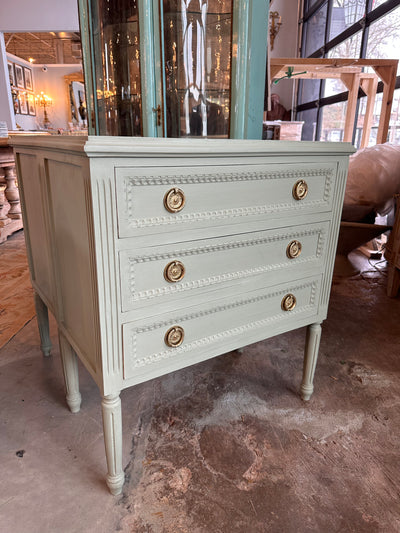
<point>10,207</point>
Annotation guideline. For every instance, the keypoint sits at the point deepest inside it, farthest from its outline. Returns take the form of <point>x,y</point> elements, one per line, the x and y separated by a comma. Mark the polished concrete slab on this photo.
<point>225,446</point>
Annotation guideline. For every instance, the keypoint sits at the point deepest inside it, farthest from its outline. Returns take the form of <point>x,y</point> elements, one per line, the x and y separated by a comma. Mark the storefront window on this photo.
<point>362,35</point>
<point>308,90</point>
<point>348,48</point>
<point>309,117</point>
<point>345,13</point>
<point>333,120</point>
<point>315,31</point>
<point>384,37</point>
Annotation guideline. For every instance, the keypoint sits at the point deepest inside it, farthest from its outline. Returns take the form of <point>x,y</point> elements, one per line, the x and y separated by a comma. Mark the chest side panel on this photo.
<point>36,213</point>
<point>72,247</point>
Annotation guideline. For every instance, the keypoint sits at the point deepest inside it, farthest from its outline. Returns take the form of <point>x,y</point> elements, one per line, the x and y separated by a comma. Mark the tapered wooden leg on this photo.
<point>310,359</point>
<point>112,427</point>
<point>42,316</point>
<point>71,377</point>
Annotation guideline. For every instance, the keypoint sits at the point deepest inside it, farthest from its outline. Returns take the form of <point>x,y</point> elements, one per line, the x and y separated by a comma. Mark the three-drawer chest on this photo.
<point>155,254</point>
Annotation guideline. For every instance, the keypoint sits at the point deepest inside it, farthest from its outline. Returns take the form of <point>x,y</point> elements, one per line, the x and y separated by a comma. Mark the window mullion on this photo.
<point>328,24</point>
<point>323,82</point>
<point>365,31</point>
<point>363,51</point>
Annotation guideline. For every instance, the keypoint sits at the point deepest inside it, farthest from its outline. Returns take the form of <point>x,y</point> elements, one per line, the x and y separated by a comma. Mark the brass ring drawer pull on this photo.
<point>174,337</point>
<point>174,200</point>
<point>300,190</point>
<point>174,271</point>
<point>288,302</point>
<point>293,249</point>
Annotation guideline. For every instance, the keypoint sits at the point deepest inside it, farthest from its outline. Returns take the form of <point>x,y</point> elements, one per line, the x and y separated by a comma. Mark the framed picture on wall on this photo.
<point>15,99</point>
<point>28,79</point>
<point>31,105</point>
<point>19,76</point>
<point>23,104</point>
<point>11,74</point>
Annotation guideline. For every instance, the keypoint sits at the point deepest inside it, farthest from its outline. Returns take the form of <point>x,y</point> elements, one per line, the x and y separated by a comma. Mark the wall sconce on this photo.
<point>44,101</point>
<point>275,23</point>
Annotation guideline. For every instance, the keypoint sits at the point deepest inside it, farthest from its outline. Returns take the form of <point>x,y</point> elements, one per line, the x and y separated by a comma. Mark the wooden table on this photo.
<point>352,73</point>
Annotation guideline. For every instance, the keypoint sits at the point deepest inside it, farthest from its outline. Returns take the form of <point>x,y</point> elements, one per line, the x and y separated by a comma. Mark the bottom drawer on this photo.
<point>164,343</point>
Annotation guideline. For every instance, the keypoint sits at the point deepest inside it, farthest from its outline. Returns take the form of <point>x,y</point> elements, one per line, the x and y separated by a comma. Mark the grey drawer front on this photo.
<point>225,264</point>
<point>213,329</point>
<point>255,192</point>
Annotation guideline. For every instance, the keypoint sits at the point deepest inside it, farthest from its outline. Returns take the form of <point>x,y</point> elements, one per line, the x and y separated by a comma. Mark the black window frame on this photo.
<point>370,16</point>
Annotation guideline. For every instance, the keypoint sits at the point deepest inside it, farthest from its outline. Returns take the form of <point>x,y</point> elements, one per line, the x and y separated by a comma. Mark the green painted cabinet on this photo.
<point>175,68</point>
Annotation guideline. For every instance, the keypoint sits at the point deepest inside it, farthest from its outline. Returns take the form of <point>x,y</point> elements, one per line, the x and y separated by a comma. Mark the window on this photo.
<point>346,28</point>
<point>383,37</point>
<point>315,31</point>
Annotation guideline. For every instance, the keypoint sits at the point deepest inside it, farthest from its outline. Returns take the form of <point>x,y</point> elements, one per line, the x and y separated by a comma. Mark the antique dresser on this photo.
<point>155,254</point>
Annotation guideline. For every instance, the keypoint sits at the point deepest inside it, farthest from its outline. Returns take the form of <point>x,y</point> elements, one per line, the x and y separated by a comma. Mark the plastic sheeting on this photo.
<point>374,177</point>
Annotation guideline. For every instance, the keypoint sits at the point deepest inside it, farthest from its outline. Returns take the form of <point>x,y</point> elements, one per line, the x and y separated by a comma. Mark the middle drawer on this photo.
<point>169,274</point>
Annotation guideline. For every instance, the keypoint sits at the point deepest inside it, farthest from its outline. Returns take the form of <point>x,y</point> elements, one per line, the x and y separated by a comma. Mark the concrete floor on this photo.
<point>225,446</point>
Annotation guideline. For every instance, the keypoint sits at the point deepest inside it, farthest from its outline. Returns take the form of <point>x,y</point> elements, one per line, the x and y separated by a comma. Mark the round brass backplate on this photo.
<point>174,271</point>
<point>174,337</point>
<point>293,249</point>
<point>174,200</point>
<point>289,302</point>
<point>300,190</point>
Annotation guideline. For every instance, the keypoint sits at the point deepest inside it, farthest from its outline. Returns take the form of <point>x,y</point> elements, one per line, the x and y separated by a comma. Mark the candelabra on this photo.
<point>44,101</point>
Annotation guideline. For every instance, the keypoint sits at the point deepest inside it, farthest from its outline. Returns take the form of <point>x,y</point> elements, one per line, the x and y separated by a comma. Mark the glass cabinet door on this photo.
<point>116,65</point>
<point>174,68</point>
<point>196,60</point>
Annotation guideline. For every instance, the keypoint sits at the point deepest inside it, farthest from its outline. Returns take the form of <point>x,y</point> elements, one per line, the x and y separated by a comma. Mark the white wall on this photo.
<point>285,45</point>
<point>38,15</point>
<point>53,84</point>
<point>33,16</point>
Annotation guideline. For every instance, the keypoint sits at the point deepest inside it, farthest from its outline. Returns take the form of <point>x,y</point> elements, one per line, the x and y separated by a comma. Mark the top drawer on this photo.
<point>155,200</point>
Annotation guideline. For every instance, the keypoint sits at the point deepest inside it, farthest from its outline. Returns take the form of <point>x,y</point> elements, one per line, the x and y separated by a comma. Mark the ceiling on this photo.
<point>45,48</point>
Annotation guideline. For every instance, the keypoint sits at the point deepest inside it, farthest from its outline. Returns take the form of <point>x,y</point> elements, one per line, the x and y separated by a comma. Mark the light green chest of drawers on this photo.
<point>157,254</point>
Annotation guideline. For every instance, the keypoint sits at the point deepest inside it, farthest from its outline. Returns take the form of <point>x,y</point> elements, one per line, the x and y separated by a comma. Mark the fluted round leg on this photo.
<point>112,427</point>
<point>310,360</point>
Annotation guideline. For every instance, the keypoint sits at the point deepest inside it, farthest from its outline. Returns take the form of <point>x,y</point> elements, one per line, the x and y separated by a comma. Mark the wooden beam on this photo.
<point>275,71</point>
<point>347,80</point>
<point>369,86</point>
<point>385,73</point>
<point>333,62</point>
<point>351,107</point>
<point>387,100</point>
<point>312,74</point>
